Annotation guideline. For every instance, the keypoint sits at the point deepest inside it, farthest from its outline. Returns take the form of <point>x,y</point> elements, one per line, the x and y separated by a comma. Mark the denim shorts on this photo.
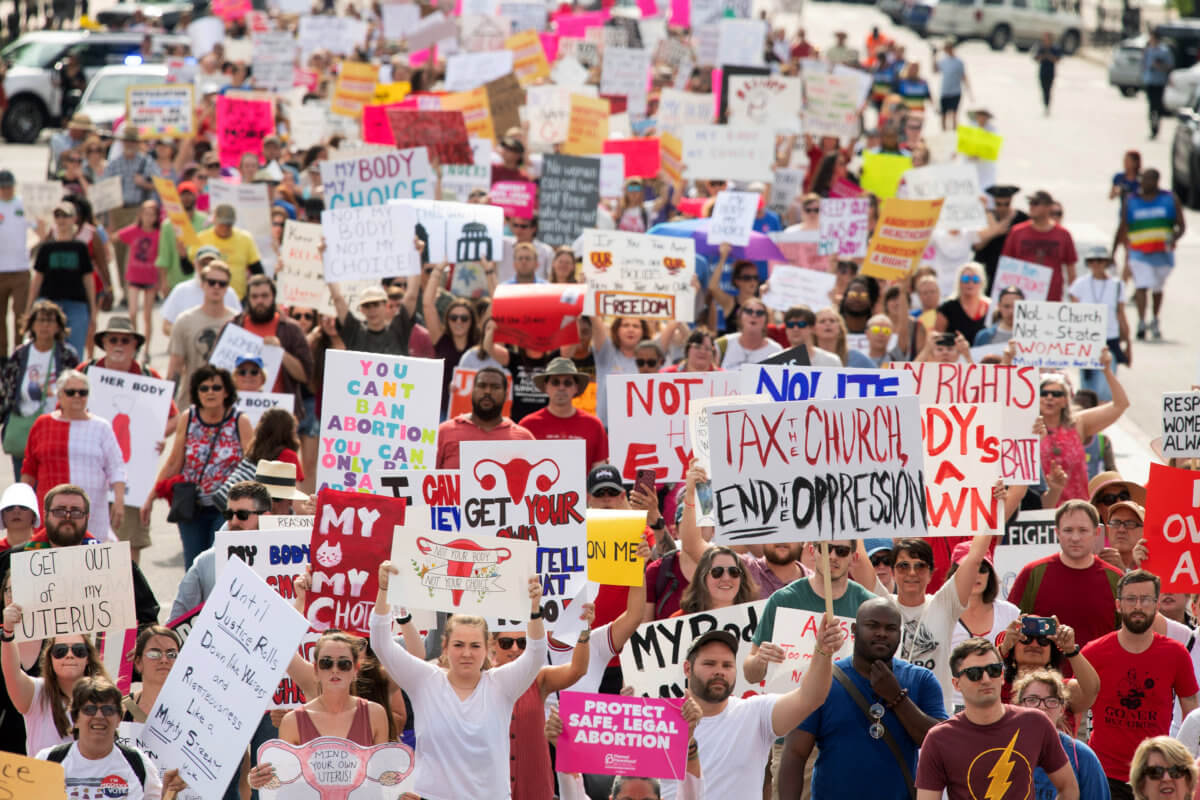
<point>310,425</point>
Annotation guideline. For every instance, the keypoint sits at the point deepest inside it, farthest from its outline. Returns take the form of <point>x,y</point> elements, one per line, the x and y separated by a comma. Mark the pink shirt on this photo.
<point>143,252</point>
<point>462,429</point>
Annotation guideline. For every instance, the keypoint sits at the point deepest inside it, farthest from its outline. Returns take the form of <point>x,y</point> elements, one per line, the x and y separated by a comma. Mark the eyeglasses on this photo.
<point>326,663</point>
<point>633,187</point>
<point>719,572</point>
<point>91,709</point>
<point>970,279</point>
<point>455,317</point>
<point>812,209</point>
<point>68,513</point>
<point>59,651</point>
<point>1145,600</point>
<point>797,323</point>
<point>215,283</point>
<point>754,312</point>
<point>883,330</point>
<point>912,566</point>
<point>371,304</point>
<point>1124,524</point>
<point>1053,393</point>
<point>242,514</point>
<point>305,315</point>
<point>881,558</point>
<point>506,642</point>
<point>248,371</point>
<point>1109,499</point>
<point>1033,701</point>
<point>1158,773</point>
<point>210,387</point>
<point>76,392</point>
<point>113,340</point>
<point>63,215</point>
<point>607,491</point>
<point>154,654</point>
<point>521,225</point>
<point>747,276</point>
<point>975,674</point>
<point>1043,641</point>
<point>646,362</point>
<point>560,381</point>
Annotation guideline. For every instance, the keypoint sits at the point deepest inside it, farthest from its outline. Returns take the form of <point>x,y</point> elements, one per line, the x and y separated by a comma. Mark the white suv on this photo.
<point>1003,21</point>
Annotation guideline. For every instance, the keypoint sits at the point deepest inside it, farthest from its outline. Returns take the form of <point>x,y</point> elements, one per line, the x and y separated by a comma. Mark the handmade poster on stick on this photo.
<point>958,184</point>
<point>831,105</point>
<point>31,778</point>
<point>461,573</point>
<point>567,198</point>
<point>175,212</point>
<point>611,735</point>
<point>771,101</point>
<point>843,227</point>
<point>300,275</point>
<point>373,180</point>
<point>537,316</point>
<point>443,132</point>
<point>241,127</point>
<point>733,218</point>
<point>901,237</point>
<point>374,242</point>
<point>237,341</point>
<point>784,383</point>
<point>1032,279</point>
<point>69,590</point>
<point>278,556</point>
<point>137,406</point>
<point>458,232</point>
<point>637,275</point>
<point>1059,335</point>
<point>729,152</point>
<point>336,769</point>
<point>798,633</point>
<point>105,194</point>
<point>1172,520</point>
<point>613,536</point>
<point>962,462</point>
<point>792,286</point>
<point>1181,425</point>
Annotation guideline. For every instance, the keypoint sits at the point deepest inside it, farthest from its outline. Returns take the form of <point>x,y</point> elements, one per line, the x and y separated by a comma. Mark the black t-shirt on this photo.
<point>953,311</point>
<point>526,397</point>
<point>446,350</point>
<point>64,266</point>
<point>989,254</point>
<point>1046,67</point>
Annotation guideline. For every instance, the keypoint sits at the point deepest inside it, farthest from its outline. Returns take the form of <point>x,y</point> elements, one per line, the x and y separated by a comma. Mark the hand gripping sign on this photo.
<point>335,769</point>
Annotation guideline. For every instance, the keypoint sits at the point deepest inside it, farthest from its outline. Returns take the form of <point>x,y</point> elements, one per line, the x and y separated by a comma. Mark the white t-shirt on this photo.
<point>1185,636</point>
<point>451,732</point>
<point>40,732</point>
<point>609,361</point>
<point>107,777</point>
<point>14,228</point>
<point>928,630</point>
<point>737,354</point>
<point>600,652</point>
<point>1106,292</point>
<point>737,742</point>
<point>1003,612</point>
<point>34,387</point>
<point>190,294</point>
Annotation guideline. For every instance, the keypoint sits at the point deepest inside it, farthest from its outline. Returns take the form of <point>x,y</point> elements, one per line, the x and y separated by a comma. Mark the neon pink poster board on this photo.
<point>375,126</point>
<point>641,155</point>
<point>614,735</point>
<point>336,769</point>
<point>241,127</point>
<point>517,198</point>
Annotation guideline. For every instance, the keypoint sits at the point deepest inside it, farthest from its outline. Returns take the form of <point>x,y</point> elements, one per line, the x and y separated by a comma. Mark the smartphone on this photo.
<point>645,481</point>
<point>945,340</point>
<point>1038,626</point>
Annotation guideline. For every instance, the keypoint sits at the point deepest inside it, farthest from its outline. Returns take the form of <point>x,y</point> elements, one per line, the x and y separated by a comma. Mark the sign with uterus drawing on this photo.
<point>480,575</point>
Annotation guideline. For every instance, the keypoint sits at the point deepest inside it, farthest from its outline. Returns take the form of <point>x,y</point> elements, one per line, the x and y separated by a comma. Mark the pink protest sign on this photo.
<point>517,198</point>
<point>375,126</point>
<point>241,127</point>
<point>576,25</point>
<point>230,10</point>
<point>641,155</point>
<point>613,735</point>
<point>337,769</point>
<point>549,45</point>
<point>681,13</point>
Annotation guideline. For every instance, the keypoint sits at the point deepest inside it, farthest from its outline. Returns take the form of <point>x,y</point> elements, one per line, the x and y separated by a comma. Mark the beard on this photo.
<point>772,555</point>
<point>66,533</point>
<point>263,316</point>
<point>714,691</point>
<point>1139,625</point>
<point>487,414</point>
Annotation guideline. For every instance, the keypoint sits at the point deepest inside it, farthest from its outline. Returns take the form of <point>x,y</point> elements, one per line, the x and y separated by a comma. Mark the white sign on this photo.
<point>285,522</point>
<point>1181,425</point>
<point>274,61</point>
<point>733,218</point>
<point>638,275</point>
<point>741,42</point>
<point>369,242</point>
<point>376,178</point>
<point>797,286</point>
<point>843,227</point>
<point>1032,279</point>
<point>237,341</point>
<point>626,71</point>
<point>612,174</point>
<point>300,277</point>
<point>307,124</point>
<point>276,556</point>
<point>770,100</point>
<point>962,462</point>
<point>429,31</point>
<point>205,33</point>
<point>69,590</point>
<point>338,35</point>
<point>677,110</point>
<point>137,406</point>
<point>252,204</point>
<point>467,71</point>
<point>105,194</point>
<point>958,184</point>
<point>1059,334</point>
<point>40,197</point>
<point>831,105</point>
<point>255,404</point>
<point>729,152</point>
<point>223,681</point>
<point>459,232</point>
<point>785,188</point>
<point>798,633</point>
<point>399,18</point>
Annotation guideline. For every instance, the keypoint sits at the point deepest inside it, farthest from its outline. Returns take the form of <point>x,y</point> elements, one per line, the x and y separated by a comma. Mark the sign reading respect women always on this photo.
<point>138,407</point>
<point>380,414</point>
<point>462,574</point>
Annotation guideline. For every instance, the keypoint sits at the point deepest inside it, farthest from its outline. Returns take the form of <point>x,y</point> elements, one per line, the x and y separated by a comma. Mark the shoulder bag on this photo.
<point>186,494</point>
<point>862,703</point>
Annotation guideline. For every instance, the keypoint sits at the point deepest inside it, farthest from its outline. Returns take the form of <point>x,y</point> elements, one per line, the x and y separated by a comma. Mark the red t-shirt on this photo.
<point>1053,248</point>
<point>1137,696</point>
<point>580,425</point>
<point>673,587</point>
<point>1082,598</point>
<point>460,429</point>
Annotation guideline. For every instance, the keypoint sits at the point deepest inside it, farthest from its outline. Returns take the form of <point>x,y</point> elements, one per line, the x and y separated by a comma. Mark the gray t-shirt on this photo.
<point>952,71</point>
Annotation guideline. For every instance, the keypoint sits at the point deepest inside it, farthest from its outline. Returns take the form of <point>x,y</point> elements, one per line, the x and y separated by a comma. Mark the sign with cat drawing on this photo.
<point>138,407</point>
<point>352,535</point>
<point>462,574</point>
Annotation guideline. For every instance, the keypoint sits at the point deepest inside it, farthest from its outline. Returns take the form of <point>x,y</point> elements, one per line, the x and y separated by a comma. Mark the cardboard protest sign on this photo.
<point>958,184</point>
<point>459,180</point>
<point>548,110</point>
<point>1181,425</point>
<point>729,152</point>
<point>462,573</point>
<point>901,237</point>
<point>638,275</point>
<point>173,208</point>
<point>976,142</point>
<point>241,127</point>
<point>137,406</point>
<point>831,105</point>
<point>775,466</point>
<point>1014,388</point>
<point>443,132</point>
<point>843,227</point>
<point>276,556</point>
<point>608,735</point>
<point>458,232</point>
<point>355,88</point>
<point>339,35</point>
<point>237,341</point>
<point>461,385</point>
<point>535,491</point>
<point>515,198</point>
<point>529,58</point>
<point>432,498</point>
<point>300,274</point>
<point>273,60</point>
<point>733,218</point>
<point>613,537</point>
<point>625,72</point>
<point>741,42</point>
<point>962,460</point>
<point>797,631</point>
<point>369,242</point>
<point>640,157</point>
<point>31,778</point>
<point>793,286</point>
<point>40,197</point>
<point>881,172</point>
<point>1032,279</point>
<point>1059,335</point>
<point>336,769</point>
<point>652,661</point>
<point>471,70</point>
<point>677,110</point>
<point>505,97</point>
<point>160,111</point>
<point>567,198</point>
<point>1173,527</point>
<point>105,194</point>
<point>771,101</point>
<point>380,414</point>
<point>69,590</point>
<point>255,404</point>
<point>785,383</point>
<point>223,680</point>
<point>375,179</point>
<point>1030,535</point>
<point>538,316</point>
<point>587,125</point>
<point>253,207</point>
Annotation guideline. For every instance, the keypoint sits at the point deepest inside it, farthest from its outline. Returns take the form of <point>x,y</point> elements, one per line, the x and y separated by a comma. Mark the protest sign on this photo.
<point>443,132</point>
<point>537,316</point>
<point>223,680</point>
<point>459,180</point>
<point>881,172</point>
<point>548,110</point>
<point>462,573</point>
<point>638,275</point>
<point>608,735</point>
<point>137,407</point>
<point>458,232</point>
<point>300,275</point>
<point>843,227</point>
<point>796,286</point>
<point>958,184</point>
<point>432,498</point>
<point>368,242</point>
<point>1173,527</point>
<point>1059,334</point>
<point>830,105</point>
<point>471,70</point>
<point>255,404</point>
<point>241,127</point>
<point>1014,388</point>
<point>173,207</point>
<point>1030,535</point>
<point>158,112</point>
<point>285,522</point>
<point>372,180</point>
<point>976,142</point>
<point>460,393</point>
<point>648,423</point>
<point>962,462</point>
<point>869,450</point>
<point>375,126</point>
<point>785,383</point>
<point>429,31</point>
<point>624,72</point>
<point>352,535</point>
<point>31,778</point>
<point>640,157</point>
<point>587,125</point>
<point>476,113</point>
<point>469,279</point>
<point>40,197</point>
<point>105,194</point>
<point>380,414</point>
<point>278,556</point>
<point>337,769</point>
<point>398,19</point>
<point>567,198</point>
<point>901,237</point>
<point>355,88</point>
<point>797,632</point>
<point>652,661</point>
<point>1181,425</point>
<point>1032,279</point>
<point>515,198</point>
<point>479,33</point>
<point>677,110</point>
<point>729,152</point>
<point>250,202</point>
<point>525,16</point>
<point>529,58</point>
<point>612,173</point>
<point>770,101</point>
<point>273,60</point>
<point>613,537</point>
<point>337,34</point>
<point>535,491</point>
<point>505,97</point>
<point>69,590</point>
<point>733,218</point>
<point>671,156</point>
<point>785,188</point>
<point>237,341</point>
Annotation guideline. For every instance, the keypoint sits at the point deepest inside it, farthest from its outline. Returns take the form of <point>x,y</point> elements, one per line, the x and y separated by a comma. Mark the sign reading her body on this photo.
<point>328,768</point>
<point>138,407</point>
<point>69,590</point>
<point>461,574</point>
<point>637,275</point>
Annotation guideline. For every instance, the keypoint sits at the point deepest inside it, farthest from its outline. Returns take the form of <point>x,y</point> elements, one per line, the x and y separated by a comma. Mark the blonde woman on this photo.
<point>1162,768</point>
<point>966,310</point>
<point>830,332</point>
<point>1043,690</point>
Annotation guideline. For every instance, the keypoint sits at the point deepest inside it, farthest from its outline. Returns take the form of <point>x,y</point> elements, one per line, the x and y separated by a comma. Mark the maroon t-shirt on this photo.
<point>1082,598</point>
<point>1053,248</point>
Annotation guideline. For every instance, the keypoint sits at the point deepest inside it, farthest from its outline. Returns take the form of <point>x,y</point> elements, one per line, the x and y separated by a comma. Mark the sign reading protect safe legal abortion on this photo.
<point>1058,335</point>
<point>609,735</point>
<point>69,590</point>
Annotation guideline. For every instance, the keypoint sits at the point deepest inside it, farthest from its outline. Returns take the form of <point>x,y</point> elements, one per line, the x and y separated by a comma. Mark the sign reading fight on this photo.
<point>431,498</point>
<point>533,491</point>
<point>380,414</point>
<point>637,275</point>
<point>611,735</point>
<point>854,468</point>
<point>137,406</point>
<point>1173,528</point>
<point>1059,335</point>
<point>352,536</point>
<point>962,463</point>
<point>69,590</point>
<point>1181,425</point>
<point>336,769</point>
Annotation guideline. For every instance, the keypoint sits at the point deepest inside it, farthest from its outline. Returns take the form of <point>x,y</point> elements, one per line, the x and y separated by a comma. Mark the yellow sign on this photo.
<point>587,400</point>
<point>978,143</point>
<point>613,536</point>
<point>881,173</point>
<point>671,155</point>
<point>30,779</point>
<point>391,92</point>
<point>588,126</point>
<point>529,59</point>
<point>175,211</point>
<point>355,88</point>
<point>477,113</point>
<point>901,237</point>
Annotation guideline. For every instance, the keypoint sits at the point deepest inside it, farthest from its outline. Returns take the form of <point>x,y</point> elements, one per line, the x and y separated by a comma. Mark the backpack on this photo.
<point>1029,596</point>
<point>666,575</point>
<point>59,754</point>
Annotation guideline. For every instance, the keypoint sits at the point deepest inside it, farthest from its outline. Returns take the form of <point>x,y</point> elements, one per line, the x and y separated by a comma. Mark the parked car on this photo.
<point>1181,87</point>
<point>917,15</point>
<point>104,99</point>
<point>1125,68</point>
<point>999,22</point>
<point>166,12</point>
<point>1185,155</point>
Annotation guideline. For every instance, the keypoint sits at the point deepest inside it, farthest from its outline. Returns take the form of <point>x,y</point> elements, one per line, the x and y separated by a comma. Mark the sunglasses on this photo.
<point>1109,499</point>
<point>76,392</point>
<point>456,317</point>
<point>861,295</point>
<point>506,642</point>
<point>606,492</point>
<point>63,215</point>
<point>245,371</point>
<point>880,329</point>
<point>719,572</point>
<point>975,674</point>
<point>326,663</point>
<point>754,312</point>
<point>1158,773</point>
<point>154,654</point>
<point>797,323</point>
<point>1033,701</point>
<point>840,550</point>
<point>521,225</point>
<point>847,268</point>
<point>91,709</point>
<point>68,513</point>
<point>95,151</point>
<point>73,160</point>
<point>560,381</point>
<point>747,276</point>
<point>1053,393</point>
<point>1056,214</point>
<point>812,209</point>
<point>633,187</point>
<point>395,297</point>
<point>970,279</point>
<point>242,514</point>
<point>881,558</point>
<point>59,651</point>
<point>214,165</point>
<point>912,566</point>
<point>305,315</point>
<point>1042,641</point>
<point>216,284</point>
<point>210,387</point>
<point>646,362</point>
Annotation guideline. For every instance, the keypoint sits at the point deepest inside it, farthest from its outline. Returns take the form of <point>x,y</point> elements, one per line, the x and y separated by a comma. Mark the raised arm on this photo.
<point>964,577</point>
<point>691,541</point>
<point>795,706</point>
<point>401,665</point>
<point>433,322</point>
<point>720,296</point>
<point>21,688</point>
<point>621,629</point>
<point>564,676</point>
<point>1093,420</point>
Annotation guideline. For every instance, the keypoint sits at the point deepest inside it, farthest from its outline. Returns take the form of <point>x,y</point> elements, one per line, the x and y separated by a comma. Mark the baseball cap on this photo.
<point>248,358</point>
<point>960,552</point>
<point>723,636</point>
<point>604,476</point>
<point>7,178</point>
<point>225,214</point>
<point>207,250</point>
<point>372,294</point>
<point>188,186</point>
<point>1097,252</point>
<point>1137,510</point>
<point>874,546</point>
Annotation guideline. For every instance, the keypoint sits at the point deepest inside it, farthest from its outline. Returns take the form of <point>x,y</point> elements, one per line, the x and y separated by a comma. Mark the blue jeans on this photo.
<point>197,535</point>
<point>78,316</point>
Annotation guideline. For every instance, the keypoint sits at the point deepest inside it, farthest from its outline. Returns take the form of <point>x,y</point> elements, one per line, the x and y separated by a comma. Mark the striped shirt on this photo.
<point>1150,227</point>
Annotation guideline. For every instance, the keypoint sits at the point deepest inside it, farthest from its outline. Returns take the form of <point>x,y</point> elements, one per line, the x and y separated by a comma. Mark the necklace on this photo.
<point>1098,296</point>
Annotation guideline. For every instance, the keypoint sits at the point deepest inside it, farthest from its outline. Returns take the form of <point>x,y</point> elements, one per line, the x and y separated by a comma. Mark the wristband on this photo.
<point>407,618</point>
<point>658,526</point>
<point>1074,652</point>
<point>693,750</point>
<point>7,636</point>
<point>584,636</point>
<point>899,699</point>
<point>821,652</point>
<point>536,614</point>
